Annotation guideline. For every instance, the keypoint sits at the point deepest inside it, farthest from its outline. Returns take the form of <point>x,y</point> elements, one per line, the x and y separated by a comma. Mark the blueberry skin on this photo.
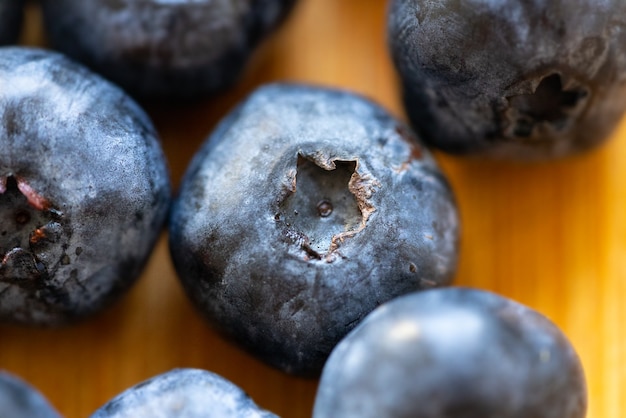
<point>453,353</point>
<point>84,189</point>
<point>163,48</point>
<point>306,209</point>
<point>20,400</point>
<point>11,15</point>
<point>511,79</point>
<point>183,393</point>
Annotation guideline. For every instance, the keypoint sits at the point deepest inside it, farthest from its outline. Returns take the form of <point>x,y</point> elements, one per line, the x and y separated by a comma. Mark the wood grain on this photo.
<point>550,235</point>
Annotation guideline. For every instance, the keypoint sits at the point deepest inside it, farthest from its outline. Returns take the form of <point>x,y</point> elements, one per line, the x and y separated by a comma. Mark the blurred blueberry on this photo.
<point>510,78</point>
<point>163,48</point>
<point>11,15</point>
<point>183,393</point>
<point>20,400</point>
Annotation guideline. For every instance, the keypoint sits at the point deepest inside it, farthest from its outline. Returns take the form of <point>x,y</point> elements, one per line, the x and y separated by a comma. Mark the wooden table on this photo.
<point>550,235</point>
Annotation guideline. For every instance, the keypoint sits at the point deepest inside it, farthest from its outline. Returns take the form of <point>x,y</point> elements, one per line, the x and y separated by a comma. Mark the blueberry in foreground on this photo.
<point>183,393</point>
<point>164,49</point>
<point>11,15</point>
<point>510,78</point>
<point>454,353</point>
<point>20,400</point>
<point>303,211</point>
<point>84,189</point>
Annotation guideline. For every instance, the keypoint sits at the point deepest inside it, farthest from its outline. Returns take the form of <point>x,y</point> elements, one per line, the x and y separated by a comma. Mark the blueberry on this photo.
<point>163,48</point>
<point>304,210</point>
<point>509,78</point>
<point>454,353</point>
<point>20,400</point>
<point>11,14</point>
<point>84,189</point>
<point>183,393</point>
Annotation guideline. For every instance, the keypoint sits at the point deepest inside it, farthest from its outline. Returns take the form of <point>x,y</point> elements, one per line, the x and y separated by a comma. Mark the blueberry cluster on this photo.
<point>312,228</point>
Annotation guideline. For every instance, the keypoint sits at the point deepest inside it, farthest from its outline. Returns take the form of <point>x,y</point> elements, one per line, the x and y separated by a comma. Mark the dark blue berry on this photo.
<point>20,400</point>
<point>84,188</point>
<point>306,209</point>
<point>511,78</point>
<point>163,48</point>
<point>183,393</point>
<point>454,353</point>
<point>11,15</point>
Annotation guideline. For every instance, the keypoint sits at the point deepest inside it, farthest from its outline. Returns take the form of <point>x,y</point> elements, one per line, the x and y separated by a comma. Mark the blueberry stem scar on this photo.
<point>550,103</point>
<point>327,202</point>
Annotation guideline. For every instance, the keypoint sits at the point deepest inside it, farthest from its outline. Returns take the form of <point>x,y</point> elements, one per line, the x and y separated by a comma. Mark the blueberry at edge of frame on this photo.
<point>164,50</point>
<point>509,79</point>
<point>20,400</point>
<point>84,189</point>
<point>183,392</point>
<point>11,17</point>
<point>453,352</point>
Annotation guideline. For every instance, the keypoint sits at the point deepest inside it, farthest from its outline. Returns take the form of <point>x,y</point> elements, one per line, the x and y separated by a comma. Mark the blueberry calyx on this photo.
<point>31,236</point>
<point>551,104</point>
<point>325,202</point>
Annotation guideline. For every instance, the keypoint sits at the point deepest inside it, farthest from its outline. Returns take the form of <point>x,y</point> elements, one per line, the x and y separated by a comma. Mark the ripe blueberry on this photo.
<point>453,353</point>
<point>183,393</point>
<point>511,78</point>
<point>306,209</point>
<point>20,400</point>
<point>11,14</point>
<point>84,188</point>
<point>163,48</point>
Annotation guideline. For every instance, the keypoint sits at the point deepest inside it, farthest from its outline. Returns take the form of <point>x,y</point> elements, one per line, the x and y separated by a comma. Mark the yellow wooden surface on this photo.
<point>550,235</point>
